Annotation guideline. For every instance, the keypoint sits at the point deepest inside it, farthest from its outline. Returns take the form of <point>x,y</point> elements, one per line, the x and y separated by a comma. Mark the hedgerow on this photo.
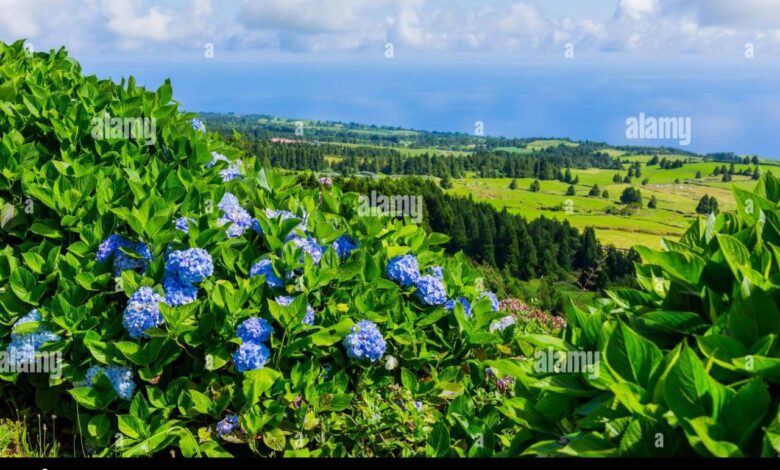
<point>206,306</point>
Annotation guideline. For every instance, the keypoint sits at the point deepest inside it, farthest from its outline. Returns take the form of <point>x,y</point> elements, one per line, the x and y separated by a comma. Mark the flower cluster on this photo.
<point>493,300</point>
<point>265,267</point>
<point>365,341</point>
<point>113,245</point>
<point>254,330</point>
<point>190,266</point>
<point>183,270</point>
<point>198,125</point>
<point>24,346</point>
<point>344,246</point>
<point>506,384</point>
<point>307,244</point>
<point>183,224</point>
<point>121,379</point>
<point>239,219</point>
<point>252,354</point>
<point>503,324</point>
<point>285,301</point>
<point>233,171</point>
<point>227,426</point>
<point>528,313</point>
<point>450,305</point>
<point>326,182</point>
<point>142,312</point>
<point>431,290</point>
<point>403,270</point>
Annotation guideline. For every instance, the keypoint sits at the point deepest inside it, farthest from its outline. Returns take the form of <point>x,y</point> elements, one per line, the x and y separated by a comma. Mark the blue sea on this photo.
<point>733,103</point>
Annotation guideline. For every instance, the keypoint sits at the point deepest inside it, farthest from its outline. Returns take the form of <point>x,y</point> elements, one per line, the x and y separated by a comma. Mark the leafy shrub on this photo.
<point>688,364</point>
<point>223,312</point>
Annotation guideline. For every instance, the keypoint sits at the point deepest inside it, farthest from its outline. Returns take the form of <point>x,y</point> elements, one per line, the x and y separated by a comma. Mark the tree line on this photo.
<point>510,243</point>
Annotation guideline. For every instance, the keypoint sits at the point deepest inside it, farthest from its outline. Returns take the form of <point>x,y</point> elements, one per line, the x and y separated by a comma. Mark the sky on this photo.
<point>553,68</point>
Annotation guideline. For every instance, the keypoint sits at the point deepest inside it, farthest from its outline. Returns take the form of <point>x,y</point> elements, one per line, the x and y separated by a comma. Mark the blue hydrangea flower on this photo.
<point>503,324</point>
<point>365,342</point>
<point>24,346</point>
<point>215,158</point>
<point>233,171</point>
<point>254,330</point>
<point>493,300</point>
<point>32,316</point>
<point>239,219</point>
<point>178,293</point>
<point>403,270</point>
<point>112,246</point>
<point>436,272</point>
<point>89,377</point>
<point>183,224</point>
<point>124,262</point>
<point>251,356</point>
<point>285,301</point>
<point>198,125</point>
<point>142,312</point>
<point>191,266</point>
<point>431,291</point>
<point>121,380</point>
<point>227,426</point>
<point>109,246</point>
<point>310,316</point>
<point>265,267</point>
<point>308,245</point>
<point>344,246</point>
<point>450,305</point>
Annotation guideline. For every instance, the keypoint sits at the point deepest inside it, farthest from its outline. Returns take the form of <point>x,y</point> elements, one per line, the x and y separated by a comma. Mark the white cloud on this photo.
<point>637,26</point>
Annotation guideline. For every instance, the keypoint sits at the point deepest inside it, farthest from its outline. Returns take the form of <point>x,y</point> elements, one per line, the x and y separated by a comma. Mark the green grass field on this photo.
<point>676,201</point>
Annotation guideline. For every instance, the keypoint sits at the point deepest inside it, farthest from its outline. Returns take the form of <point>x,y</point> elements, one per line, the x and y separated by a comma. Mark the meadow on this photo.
<point>677,191</point>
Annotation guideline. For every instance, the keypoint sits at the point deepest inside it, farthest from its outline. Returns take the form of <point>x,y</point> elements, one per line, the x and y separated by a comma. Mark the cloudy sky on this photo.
<point>508,26</point>
<point>501,62</point>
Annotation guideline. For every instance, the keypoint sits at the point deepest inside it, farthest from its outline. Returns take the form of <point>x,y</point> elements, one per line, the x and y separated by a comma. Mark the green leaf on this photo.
<point>438,444</point>
<point>256,382</point>
<point>328,336</point>
<point>98,426</point>
<point>275,439</point>
<point>632,357</point>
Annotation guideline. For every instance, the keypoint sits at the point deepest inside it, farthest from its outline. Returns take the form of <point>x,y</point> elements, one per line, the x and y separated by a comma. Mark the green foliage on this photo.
<point>310,399</point>
<point>707,205</point>
<point>687,363</point>
<point>631,196</point>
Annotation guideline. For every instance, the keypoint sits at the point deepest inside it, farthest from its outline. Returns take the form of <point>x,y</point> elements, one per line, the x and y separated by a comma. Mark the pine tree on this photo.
<point>536,186</point>
<point>594,191</point>
<point>513,184</point>
<point>571,191</point>
<point>653,203</point>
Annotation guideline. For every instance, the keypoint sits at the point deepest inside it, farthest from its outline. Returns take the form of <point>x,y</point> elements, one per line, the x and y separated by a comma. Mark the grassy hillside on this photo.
<point>676,201</point>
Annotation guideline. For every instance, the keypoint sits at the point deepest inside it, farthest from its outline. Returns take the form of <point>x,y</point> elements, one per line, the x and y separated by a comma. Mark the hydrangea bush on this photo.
<point>213,308</point>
